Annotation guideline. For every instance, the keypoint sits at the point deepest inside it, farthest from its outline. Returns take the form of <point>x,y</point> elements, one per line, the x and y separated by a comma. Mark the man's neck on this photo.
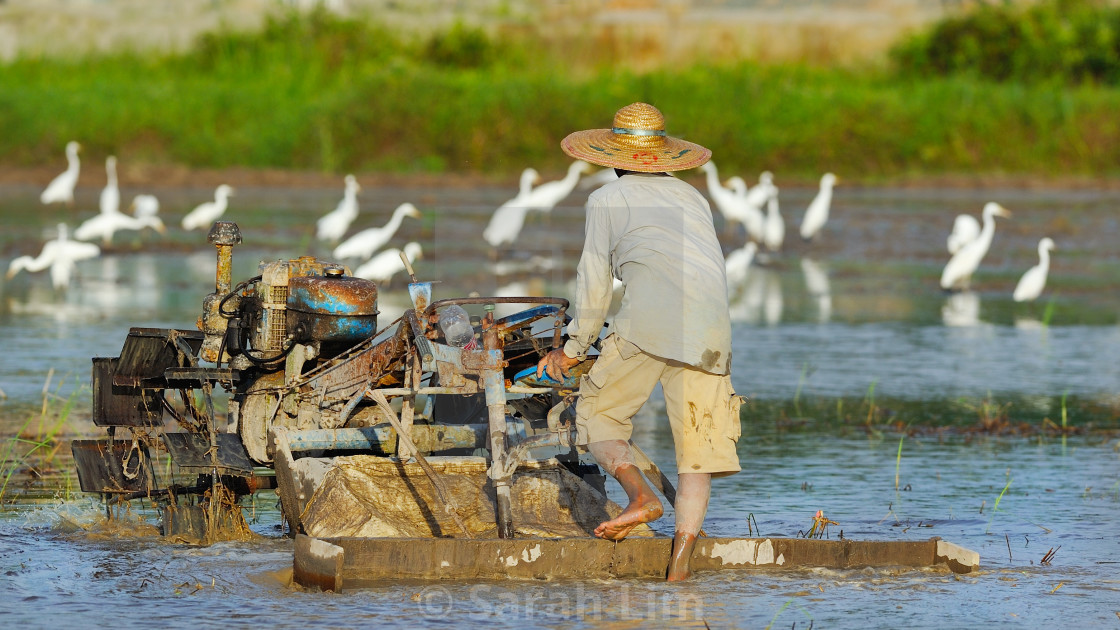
<point>621,171</point>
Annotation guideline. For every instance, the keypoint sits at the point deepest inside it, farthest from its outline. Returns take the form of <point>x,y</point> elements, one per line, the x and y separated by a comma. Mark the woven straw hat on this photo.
<point>636,142</point>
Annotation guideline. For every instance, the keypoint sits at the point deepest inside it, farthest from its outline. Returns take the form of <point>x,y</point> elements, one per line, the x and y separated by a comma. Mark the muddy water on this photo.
<point>1058,496</point>
<point>854,315</point>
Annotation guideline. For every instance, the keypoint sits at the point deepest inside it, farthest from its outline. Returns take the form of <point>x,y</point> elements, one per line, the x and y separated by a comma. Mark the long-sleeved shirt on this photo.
<point>655,234</point>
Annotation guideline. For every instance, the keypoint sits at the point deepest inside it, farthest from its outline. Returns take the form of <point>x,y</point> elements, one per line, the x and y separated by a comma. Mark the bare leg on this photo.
<point>692,505</point>
<point>614,456</point>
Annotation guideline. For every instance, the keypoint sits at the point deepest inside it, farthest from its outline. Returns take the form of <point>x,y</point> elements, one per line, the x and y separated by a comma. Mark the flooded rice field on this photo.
<point>900,411</point>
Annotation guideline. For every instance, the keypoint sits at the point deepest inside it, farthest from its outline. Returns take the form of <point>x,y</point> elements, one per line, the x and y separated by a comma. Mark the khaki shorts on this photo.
<point>702,407</point>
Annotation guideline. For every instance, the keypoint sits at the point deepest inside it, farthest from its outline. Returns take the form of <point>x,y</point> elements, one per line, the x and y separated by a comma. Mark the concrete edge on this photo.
<point>317,564</point>
<point>958,559</point>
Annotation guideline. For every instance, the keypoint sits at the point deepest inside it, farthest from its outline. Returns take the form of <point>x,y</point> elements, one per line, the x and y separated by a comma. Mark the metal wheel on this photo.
<point>257,412</point>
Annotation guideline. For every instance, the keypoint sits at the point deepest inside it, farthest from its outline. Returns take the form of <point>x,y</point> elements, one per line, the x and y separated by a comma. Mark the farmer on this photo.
<point>653,232</point>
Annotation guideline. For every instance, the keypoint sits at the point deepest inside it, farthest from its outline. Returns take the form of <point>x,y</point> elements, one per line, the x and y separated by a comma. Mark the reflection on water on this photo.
<point>871,286</point>
<point>1023,322</point>
<point>817,286</point>
<point>759,299</point>
<point>961,309</point>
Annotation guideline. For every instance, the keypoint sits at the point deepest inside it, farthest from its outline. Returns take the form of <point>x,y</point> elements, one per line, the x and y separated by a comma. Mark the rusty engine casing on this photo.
<point>334,310</point>
<point>305,301</point>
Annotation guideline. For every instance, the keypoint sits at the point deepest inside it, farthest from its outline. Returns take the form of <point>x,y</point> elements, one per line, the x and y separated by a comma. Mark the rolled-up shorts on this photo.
<point>703,408</point>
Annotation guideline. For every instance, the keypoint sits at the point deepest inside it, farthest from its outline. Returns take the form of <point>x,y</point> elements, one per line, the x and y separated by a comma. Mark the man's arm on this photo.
<point>594,289</point>
<point>594,282</point>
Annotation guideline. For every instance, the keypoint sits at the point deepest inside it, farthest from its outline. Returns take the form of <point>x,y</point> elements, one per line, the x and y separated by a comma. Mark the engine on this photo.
<point>303,305</point>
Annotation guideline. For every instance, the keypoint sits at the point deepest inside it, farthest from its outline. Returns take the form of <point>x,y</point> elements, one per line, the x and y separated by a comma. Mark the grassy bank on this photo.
<point>335,95</point>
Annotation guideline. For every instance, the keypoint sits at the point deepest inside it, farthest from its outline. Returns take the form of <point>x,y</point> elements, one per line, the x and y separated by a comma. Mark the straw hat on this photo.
<point>637,142</point>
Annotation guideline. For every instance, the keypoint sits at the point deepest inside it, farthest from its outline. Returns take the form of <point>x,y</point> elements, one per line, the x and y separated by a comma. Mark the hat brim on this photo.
<point>600,146</point>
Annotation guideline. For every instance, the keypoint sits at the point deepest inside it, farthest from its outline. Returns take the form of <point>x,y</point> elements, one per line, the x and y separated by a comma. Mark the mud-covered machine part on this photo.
<point>298,350</point>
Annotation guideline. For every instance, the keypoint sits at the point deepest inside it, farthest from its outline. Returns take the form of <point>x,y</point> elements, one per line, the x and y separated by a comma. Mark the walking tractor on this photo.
<point>426,448</point>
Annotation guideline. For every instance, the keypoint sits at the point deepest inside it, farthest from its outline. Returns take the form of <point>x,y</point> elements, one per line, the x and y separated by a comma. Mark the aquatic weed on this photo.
<point>805,371</point>
<point>992,417</point>
<point>995,506</point>
<point>1048,312</point>
<point>870,401</point>
<point>898,459</point>
<point>41,438</point>
<point>783,607</point>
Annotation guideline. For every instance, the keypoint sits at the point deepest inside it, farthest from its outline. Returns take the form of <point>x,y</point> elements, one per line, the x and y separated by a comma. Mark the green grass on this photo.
<point>337,95</point>
<point>991,415</point>
<point>36,442</point>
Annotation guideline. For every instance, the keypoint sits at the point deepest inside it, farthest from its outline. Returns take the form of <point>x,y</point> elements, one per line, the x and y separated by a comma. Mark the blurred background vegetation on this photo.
<point>1000,88</point>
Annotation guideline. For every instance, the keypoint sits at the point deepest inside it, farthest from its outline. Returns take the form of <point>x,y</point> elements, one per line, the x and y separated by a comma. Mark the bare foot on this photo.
<point>644,509</point>
<point>679,569</point>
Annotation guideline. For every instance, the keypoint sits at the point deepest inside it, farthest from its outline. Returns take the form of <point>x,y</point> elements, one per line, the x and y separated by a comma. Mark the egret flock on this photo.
<point>754,208</point>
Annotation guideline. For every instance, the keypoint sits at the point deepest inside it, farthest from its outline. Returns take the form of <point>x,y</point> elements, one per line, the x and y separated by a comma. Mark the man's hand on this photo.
<point>556,364</point>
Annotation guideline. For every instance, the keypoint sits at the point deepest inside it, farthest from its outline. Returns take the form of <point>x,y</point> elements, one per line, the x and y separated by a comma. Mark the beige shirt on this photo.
<point>655,234</point>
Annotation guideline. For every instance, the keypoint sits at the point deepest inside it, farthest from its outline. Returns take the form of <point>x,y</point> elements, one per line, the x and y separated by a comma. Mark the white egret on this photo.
<point>544,197</point>
<point>958,272</point>
<point>506,222</point>
<point>747,205</point>
<point>105,224</point>
<point>61,187</point>
<point>737,264</point>
<point>732,201</point>
<point>111,195</point>
<point>598,178</point>
<point>817,213</point>
<point>206,213</point>
<point>719,194</point>
<point>763,190</point>
<point>760,193</point>
<point>535,264</point>
<point>774,232</point>
<point>59,255</point>
<point>965,229</point>
<point>1032,283</point>
<point>333,225</point>
<point>145,206</point>
<point>386,264</point>
<point>365,243</point>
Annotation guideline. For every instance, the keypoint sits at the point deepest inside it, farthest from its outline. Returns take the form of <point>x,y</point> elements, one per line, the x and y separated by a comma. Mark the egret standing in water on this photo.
<point>333,225</point>
<point>206,213</point>
<point>506,222</point>
<point>365,243</point>
<point>59,254</point>
<point>110,201</point>
<point>544,197</point>
<point>958,272</point>
<point>145,206</point>
<point>752,199</point>
<point>735,201</point>
<point>965,230</point>
<point>817,213</point>
<point>774,232</point>
<point>105,224</point>
<point>1034,280</point>
<point>61,187</point>
<point>382,267</point>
